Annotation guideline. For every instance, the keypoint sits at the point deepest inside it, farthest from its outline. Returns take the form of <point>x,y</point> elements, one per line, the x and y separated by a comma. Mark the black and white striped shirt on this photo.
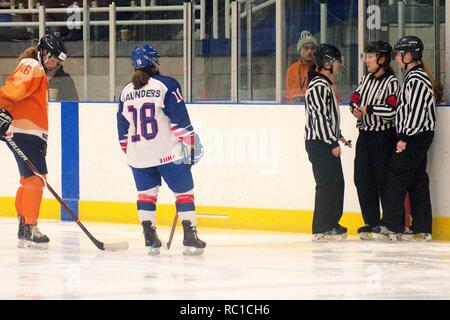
<point>322,111</point>
<point>416,107</point>
<point>380,97</point>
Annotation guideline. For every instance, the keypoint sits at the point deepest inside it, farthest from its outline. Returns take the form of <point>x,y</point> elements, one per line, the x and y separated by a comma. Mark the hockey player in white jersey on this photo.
<point>156,134</point>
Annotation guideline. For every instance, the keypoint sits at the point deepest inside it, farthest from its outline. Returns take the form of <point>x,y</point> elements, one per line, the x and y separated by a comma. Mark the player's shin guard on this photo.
<point>20,218</point>
<point>186,208</point>
<point>146,205</point>
<point>31,198</point>
<point>19,194</point>
<point>28,203</point>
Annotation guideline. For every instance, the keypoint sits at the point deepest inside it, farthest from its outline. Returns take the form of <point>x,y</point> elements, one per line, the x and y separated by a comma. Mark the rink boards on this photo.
<point>255,173</point>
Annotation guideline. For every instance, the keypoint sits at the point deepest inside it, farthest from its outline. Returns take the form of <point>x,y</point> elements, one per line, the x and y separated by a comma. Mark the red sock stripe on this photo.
<point>147,198</point>
<point>185,198</point>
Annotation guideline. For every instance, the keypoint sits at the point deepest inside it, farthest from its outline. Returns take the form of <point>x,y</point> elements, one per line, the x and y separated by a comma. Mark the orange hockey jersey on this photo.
<point>24,94</point>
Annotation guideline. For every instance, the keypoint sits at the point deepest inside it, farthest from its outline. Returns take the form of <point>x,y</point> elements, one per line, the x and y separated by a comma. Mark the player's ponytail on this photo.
<point>141,76</point>
<point>29,53</point>
<point>139,79</point>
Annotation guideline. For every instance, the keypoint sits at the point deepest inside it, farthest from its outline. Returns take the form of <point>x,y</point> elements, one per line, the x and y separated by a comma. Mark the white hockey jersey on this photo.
<point>152,122</point>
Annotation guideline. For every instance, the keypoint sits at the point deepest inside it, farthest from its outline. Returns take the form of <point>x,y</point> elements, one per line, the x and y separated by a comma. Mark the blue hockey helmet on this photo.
<point>144,56</point>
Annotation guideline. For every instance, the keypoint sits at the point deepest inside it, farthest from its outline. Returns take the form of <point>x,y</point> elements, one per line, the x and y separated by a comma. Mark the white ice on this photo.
<point>236,265</point>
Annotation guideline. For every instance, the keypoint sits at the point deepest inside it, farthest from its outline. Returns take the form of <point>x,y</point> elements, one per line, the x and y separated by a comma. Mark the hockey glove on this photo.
<point>192,144</point>
<point>5,121</point>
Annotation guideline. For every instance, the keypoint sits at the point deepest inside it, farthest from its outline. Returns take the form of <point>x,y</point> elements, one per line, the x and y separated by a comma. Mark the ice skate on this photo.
<point>152,242</point>
<point>20,233</point>
<point>193,246</point>
<point>409,235</point>
<point>383,234</point>
<point>365,233</point>
<point>317,237</point>
<point>339,233</point>
<point>33,238</point>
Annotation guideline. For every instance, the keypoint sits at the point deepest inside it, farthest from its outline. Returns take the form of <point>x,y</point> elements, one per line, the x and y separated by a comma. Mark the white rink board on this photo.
<point>254,158</point>
<point>10,173</point>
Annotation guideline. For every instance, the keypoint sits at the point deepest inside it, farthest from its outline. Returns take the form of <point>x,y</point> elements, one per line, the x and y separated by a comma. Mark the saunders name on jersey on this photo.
<point>137,94</point>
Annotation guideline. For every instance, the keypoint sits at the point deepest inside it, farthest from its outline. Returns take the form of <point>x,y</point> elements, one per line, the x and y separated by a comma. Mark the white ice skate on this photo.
<point>381,233</point>
<point>335,234</point>
<point>365,233</point>
<point>409,235</point>
<point>20,233</point>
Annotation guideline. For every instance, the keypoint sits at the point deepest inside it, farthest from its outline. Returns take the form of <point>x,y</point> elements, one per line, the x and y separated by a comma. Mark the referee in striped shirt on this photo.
<point>374,104</point>
<point>415,123</point>
<point>322,135</point>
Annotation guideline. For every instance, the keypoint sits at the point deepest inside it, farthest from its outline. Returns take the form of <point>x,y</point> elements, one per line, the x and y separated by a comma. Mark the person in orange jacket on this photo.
<point>24,117</point>
<point>297,74</point>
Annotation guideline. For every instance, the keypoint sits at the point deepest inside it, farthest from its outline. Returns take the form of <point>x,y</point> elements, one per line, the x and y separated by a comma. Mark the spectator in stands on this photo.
<point>297,74</point>
<point>65,84</point>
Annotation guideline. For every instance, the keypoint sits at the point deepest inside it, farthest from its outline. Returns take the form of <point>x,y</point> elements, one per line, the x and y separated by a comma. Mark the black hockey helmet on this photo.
<point>410,44</point>
<point>53,45</point>
<point>382,49</point>
<point>326,53</point>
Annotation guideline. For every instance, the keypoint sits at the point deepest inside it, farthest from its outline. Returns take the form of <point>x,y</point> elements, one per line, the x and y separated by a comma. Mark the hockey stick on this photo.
<point>117,246</point>
<point>174,225</point>
<point>175,219</point>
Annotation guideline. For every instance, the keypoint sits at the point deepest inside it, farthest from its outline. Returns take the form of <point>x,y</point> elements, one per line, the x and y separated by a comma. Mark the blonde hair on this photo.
<point>29,53</point>
<point>427,70</point>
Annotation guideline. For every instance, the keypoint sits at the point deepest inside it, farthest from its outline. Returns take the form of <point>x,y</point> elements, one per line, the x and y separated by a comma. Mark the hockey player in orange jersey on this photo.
<point>24,117</point>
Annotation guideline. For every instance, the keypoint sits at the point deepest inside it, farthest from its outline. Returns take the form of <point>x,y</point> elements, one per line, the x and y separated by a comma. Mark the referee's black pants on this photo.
<point>373,152</point>
<point>329,198</point>
<point>407,173</point>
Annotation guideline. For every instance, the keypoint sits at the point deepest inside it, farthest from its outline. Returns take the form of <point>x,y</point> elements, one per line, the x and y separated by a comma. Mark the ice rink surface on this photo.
<point>236,265</point>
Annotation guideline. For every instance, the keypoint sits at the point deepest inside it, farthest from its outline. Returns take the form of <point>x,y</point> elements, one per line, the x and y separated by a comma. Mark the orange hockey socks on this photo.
<point>29,197</point>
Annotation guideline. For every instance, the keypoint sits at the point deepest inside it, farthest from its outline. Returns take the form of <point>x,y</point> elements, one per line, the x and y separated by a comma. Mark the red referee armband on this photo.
<point>392,101</point>
<point>356,98</point>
